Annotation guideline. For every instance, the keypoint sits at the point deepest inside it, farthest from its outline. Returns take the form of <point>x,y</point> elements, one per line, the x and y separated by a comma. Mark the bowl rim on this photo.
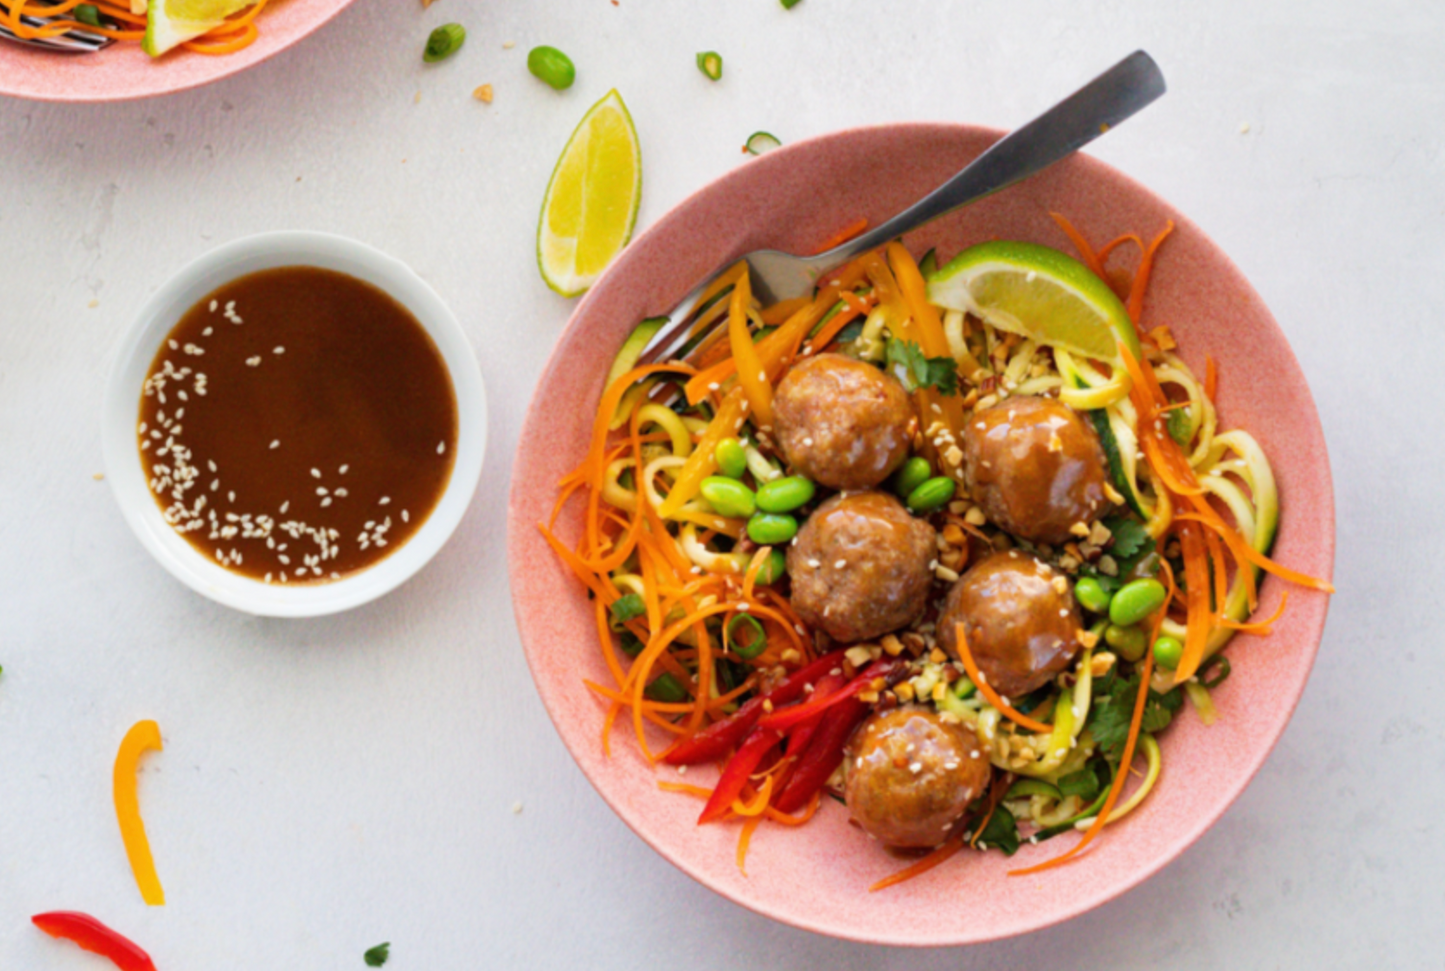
<point>162,310</point>
<point>637,822</point>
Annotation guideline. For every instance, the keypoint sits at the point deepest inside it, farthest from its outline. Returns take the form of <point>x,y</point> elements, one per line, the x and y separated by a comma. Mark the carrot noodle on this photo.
<point>1135,303</point>
<point>994,798</point>
<point>1211,377</point>
<point>702,792</point>
<point>986,689</point>
<point>1086,252</point>
<point>947,851</point>
<point>1260,627</point>
<point>745,838</point>
<point>843,235</point>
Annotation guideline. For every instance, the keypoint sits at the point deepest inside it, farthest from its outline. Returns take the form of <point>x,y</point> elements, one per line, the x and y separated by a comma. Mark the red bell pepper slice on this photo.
<point>735,775</point>
<point>824,753</point>
<point>95,937</point>
<point>721,737</point>
<point>802,733</point>
<point>820,702</point>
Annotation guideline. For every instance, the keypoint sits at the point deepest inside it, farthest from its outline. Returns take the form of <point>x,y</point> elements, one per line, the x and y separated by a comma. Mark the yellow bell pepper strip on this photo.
<point>143,735</point>
<point>751,376</point>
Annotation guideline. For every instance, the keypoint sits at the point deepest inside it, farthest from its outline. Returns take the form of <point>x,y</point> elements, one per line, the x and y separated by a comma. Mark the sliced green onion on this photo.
<point>929,264</point>
<point>710,63</point>
<point>666,688</point>
<point>87,14</point>
<point>444,42</point>
<point>631,645</point>
<point>789,4</point>
<point>1213,680</point>
<point>756,641</point>
<point>760,141</point>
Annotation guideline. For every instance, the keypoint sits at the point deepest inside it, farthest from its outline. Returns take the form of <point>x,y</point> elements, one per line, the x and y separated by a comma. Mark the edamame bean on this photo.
<point>911,475</point>
<point>443,42</point>
<point>1135,601</point>
<point>732,461</point>
<point>1092,596</point>
<point>1129,642</point>
<point>932,494</point>
<point>728,497</point>
<point>552,67</point>
<point>1168,652</point>
<point>772,529</point>
<point>786,494</point>
<point>773,570</point>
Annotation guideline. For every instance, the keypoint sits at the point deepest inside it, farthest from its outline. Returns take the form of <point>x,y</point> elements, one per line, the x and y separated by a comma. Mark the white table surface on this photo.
<point>330,784</point>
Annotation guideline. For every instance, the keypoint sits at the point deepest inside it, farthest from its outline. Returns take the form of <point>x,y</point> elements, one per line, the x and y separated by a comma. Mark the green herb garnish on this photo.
<point>1113,709</point>
<point>445,41</point>
<point>760,141</point>
<point>377,956</point>
<point>1001,833</point>
<point>628,606</point>
<point>907,362</point>
<point>1178,425</point>
<point>87,14</point>
<point>666,688</point>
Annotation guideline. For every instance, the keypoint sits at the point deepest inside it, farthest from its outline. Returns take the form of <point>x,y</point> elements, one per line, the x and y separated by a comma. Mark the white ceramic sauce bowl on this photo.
<point>164,310</point>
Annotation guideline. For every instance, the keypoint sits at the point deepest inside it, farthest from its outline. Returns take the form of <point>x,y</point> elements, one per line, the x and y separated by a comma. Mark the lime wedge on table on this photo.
<point>1038,293</point>
<point>591,202</point>
<point>173,22</point>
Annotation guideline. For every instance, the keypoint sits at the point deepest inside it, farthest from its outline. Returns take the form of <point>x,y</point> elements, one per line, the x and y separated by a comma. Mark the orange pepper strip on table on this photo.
<point>143,736</point>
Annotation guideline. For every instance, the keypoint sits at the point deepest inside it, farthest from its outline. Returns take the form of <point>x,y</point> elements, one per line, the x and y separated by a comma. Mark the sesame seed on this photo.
<point>213,306</point>
<point>230,497</point>
<point>275,443</point>
<point>326,502</point>
<point>441,448</point>
<point>343,469</point>
<point>340,492</point>
<point>405,517</point>
<point>321,490</point>
<point>839,564</point>
<point>284,506</point>
<point>814,564</point>
<point>384,500</point>
<point>279,350</point>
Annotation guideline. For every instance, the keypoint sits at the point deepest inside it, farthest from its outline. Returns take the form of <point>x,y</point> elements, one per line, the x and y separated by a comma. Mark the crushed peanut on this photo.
<point>483,94</point>
<point>1080,530</point>
<point>892,645</point>
<point>1101,663</point>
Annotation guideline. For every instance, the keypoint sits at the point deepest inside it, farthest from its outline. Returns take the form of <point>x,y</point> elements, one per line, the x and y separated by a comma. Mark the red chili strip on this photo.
<point>721,737</point>
<point>824,754</point>
<point>95,937</point>
<point>820,702</point>
<point>739,768</point>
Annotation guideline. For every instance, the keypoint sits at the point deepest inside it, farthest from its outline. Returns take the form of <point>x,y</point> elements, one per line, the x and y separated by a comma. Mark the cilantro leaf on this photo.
<point>628,606</point>
<point>907,362</point>
<point>377,956</point>
<point>1084,784</point>
<point>1129,535</point>
<point>1001,833</point>
<point>1113,710</point>
<point>850,332</point>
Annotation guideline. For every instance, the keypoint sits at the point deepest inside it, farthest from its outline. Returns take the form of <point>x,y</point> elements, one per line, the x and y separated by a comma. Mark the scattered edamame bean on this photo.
<point>1092,596</point>
<point>1168,652</point>
<point>444,42</point>
<point>551,67</point>
<point>932,494</point>
<point>1135,601</point>
<point>772,529</point>
<point>732,461</point>
<point>911,475</point>
<point>1130,642</point>
<point>785,494</point>
<point>728,497</point>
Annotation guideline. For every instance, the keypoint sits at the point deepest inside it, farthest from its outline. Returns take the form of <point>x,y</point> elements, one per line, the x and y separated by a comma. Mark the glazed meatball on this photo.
<point>911,775</point>
<point>860,566</point>
<point>1035,467</point>
<point>1019,617</point>
<point>842,423</point>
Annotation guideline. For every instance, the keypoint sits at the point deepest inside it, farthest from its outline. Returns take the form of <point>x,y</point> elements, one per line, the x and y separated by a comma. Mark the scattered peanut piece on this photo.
<point>483,94</point>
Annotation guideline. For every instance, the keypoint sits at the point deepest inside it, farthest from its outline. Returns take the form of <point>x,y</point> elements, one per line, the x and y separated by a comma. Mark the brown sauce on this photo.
<point>297,425</point>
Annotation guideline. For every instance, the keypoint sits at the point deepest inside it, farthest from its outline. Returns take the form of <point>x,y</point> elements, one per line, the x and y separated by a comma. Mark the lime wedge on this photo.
<point>1038,293</point>
<point>591,202</point>
<point>173,22</point>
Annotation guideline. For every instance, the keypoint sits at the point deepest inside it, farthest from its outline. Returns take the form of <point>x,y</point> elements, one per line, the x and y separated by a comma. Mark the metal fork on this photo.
<point>1104,102</point>
<point>73,42</point>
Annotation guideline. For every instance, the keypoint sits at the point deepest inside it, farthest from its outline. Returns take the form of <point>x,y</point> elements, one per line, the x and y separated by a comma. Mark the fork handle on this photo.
<point>1083,116</point>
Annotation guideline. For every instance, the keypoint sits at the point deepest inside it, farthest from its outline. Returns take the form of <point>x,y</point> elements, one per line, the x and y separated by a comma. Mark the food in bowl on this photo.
<point>297,425</point>
<point>203,26</point>
<point>994,433</point>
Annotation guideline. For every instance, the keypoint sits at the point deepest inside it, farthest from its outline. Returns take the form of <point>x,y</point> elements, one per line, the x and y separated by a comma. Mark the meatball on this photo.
<point>860,566</point>
<point>1035,467</point>
<point>1020,619</point>
<point>842,423</point>
<point>911,776</point>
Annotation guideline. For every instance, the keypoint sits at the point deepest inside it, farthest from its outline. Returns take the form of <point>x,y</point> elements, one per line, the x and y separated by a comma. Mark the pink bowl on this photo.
<point>817,877</point>
<point>123,71</point>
